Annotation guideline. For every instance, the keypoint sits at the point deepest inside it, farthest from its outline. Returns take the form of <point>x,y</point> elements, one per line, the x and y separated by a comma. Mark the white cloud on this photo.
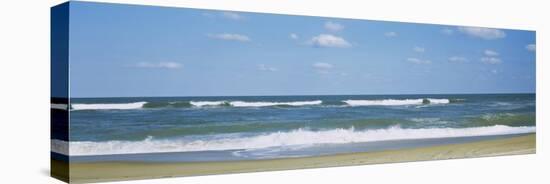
<point>323,66</point>
<point>494,71</point>
<point>230,37</point>
<point>263,67</point>
<point>332,26</point>
<point>419,49</point>
<point>328,40</point>
<point>165,65</point>
<point>490,60</point>
<point>531,47</point>
<point>418,61</point>
<point>390,34</point>
<point>484,33</point>
<point>458,59</point>
<point>232,15</point>
<point>490,53</point>
<point>447,31</point>
<point>491,57</point>
<point>294,36</point>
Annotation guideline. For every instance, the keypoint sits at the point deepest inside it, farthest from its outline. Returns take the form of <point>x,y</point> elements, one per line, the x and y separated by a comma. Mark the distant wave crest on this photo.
<point>279,139</point>
<point>227,103</point>
<point>119,106</point>
<point>253,104</point>
<point>139,105</point>
<point>396,102</point>
<point>209,103</point>
<point>265,104</point>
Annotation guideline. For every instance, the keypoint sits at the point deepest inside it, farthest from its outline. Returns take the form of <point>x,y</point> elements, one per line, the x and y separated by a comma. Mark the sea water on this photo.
<point>261,127</point>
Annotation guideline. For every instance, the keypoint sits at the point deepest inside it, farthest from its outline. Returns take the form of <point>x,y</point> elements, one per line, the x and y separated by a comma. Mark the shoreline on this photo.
<point>311,151</point>
<point>116,171</point>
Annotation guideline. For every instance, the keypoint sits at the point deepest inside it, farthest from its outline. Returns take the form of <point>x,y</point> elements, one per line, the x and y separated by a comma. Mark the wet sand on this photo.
<point>115,171</point>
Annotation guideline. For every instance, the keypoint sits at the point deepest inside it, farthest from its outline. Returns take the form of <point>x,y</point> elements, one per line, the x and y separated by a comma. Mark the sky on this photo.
<point>137,51</point>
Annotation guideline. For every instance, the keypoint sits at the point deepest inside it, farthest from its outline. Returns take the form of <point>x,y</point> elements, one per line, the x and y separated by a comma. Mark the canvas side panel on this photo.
<point>59,120</point>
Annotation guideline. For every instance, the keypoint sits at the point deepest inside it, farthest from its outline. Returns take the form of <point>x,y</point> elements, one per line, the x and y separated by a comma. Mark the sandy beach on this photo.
<point>114,171</point>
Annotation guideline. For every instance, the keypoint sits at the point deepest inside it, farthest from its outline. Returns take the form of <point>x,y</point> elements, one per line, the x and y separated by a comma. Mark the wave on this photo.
<point>153,105</point>
<point>58,106</point>
<point>184,104</point>
<point>226,103</point>
<point>266,104</point>
<point>253,104</point>
<point>281,139</point>
<point>119,106</point>
<point>396,102</point>
<point>209,103</point>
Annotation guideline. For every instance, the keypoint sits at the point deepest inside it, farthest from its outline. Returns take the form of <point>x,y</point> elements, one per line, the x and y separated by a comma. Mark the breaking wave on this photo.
<point>228,103</point>
<point>280,139</point>
<point>120,106</point>
<point>140,105</point>
<point>395,102</point>
<point>266,104</point>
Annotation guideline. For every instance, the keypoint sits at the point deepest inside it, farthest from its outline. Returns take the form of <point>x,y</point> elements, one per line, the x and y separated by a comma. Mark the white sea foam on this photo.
<point>59,106</point>
<point>265,104</point>
<point>59,146</point>
<point>207,103</point>
<point>394,102</point>
<point>438,101</point>
<point>253,104</point>
<point>291,138</point>
<point>139,105</point>
<point>108,106</point>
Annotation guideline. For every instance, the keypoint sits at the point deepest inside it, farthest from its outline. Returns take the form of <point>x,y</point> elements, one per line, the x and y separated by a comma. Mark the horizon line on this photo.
<point>172,96</point>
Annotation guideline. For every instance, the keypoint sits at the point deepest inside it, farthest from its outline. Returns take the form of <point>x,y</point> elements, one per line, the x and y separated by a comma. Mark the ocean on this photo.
<point>190,129</point>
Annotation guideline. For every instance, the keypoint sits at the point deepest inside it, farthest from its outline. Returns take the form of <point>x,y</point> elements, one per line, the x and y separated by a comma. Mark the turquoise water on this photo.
<point>283,125</point>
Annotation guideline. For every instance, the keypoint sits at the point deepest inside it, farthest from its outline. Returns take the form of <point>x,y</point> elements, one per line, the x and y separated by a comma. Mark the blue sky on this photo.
<point>122,50</point>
